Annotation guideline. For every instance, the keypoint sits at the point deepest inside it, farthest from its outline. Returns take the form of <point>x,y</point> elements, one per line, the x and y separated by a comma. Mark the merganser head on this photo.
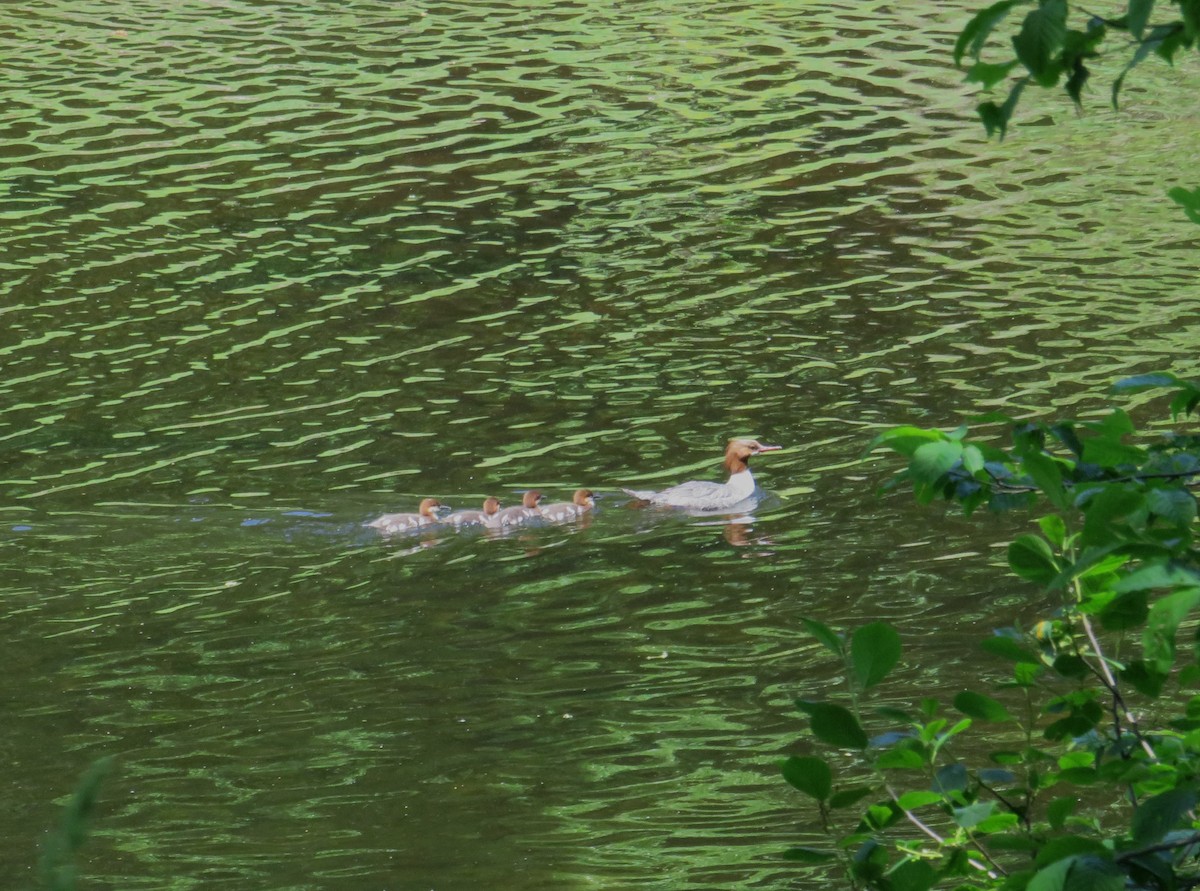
<point>431,507</point>
<point>740,451</point>
<point>531,498</point>
<point>491,506</point>
<point>583,497</point>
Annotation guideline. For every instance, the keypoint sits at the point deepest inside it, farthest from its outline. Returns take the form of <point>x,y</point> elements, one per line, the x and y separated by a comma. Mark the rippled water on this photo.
<point>270,269</point>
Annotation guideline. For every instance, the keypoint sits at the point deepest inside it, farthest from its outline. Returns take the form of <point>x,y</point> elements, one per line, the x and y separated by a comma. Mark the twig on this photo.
<point>1192,839</point>
<point>921,825</point>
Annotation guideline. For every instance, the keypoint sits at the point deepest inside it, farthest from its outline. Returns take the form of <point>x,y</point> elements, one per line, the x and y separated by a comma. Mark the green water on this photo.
<point>269,269</point>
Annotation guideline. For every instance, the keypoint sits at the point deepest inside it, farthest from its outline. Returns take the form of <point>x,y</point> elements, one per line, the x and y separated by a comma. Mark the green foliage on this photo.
<point>58,856</point>
<point>934,804</point>
<point>1046,50</point>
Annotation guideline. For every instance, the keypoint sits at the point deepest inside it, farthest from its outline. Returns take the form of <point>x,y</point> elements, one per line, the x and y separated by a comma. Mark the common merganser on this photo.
<point>485,517</point>
<point>704,496</point>
<point>426,515</point>
<point>564,512</point>
<point>515,516</point>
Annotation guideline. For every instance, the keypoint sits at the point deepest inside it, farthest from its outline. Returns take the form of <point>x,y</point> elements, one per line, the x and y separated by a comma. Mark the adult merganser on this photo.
<point>564,512</point>
<point>515,516</point>
<point>426,515</point>
<point>704,496</point>
<point>485,517</point>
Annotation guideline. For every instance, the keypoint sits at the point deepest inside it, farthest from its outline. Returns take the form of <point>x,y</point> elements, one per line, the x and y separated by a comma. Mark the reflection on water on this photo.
<point>271,270</point>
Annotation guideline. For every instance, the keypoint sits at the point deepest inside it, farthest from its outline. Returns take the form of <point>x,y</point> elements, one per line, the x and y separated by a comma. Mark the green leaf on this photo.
<point>834,725</point>
<point>811,776</point>
<point>1191,22</point>
<point>930,462</point>
<point>1030,557</point>
<point>808,855</point>
<point>1095,872</point>
<point>1144,678</point>
<point>978,705</point>
<point>972,459</point>
<point>1157,816</point>
<point>874,652</point>
<point>847,797</point>
<point>1125,611</point>
<point>826,635</point>
<point>987,74</point>
<point>1046,473</point>
<point>1052,878</point>
<point>976,32</point>
<point>1157,575</point>
<point>1189,201</point>
<point>1165,615</point>
<point>899,759</point>
<point>996,117</point>
<point>1007,648</point>
<point>973,814</point>
<point>1067,846</point>
<point>1142,382</point>
<point>1059,809</point>
<point>905,440</point>
<point>1040,39</point>
<point>918,798</point>
<point>1147,46</point>
<point>1054,529</point>
<point>1138,16</point>
<point>1115,503</point>
<point>912,875</point>
<point>1110,453</point>
<point>1177,506</point>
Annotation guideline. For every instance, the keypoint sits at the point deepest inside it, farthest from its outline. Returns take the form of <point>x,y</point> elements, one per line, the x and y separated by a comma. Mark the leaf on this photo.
<point>1046,473</point>
<point>978,705</point>
<point>1110,453</point>
<point>899,759</point>
<point>1052,878</point>
<point>1191,22</point>
<point>1114,504</point>
<point>930,462</point>
<point>1157,575</point>
<point>1144,678</point>
<point>1007,648</point>
<point>1067,846</point>
<point>918,798</point>
<point>834,725</point>
<point>912,875</point>
<point>1189,201</point>
<point>1158,639</point>
<point>1157,816</point>
<point>976,32</point>
<point>811,776</point>
<point>1139,16</point>
<point>905,440</point>
<point>1059,809</point>
<point>996,117</point>
<point>1146,47</point>
<point>1093,872</point>
<point>1030,557</point>
<point>874,652</point>
<point>1040,39</point>
<point>826,635</point>
<point>847,797</point>
<point>1177,506</point>
<point>951,778</point>
<point>987,74</point>
<point>808,855</point>
<point>1142,382</point>
<point>1054,529</point>
<point>1128,610</point>
<point>973,814</point>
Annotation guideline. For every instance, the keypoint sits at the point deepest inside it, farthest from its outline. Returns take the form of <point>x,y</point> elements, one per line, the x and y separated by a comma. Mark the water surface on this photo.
<point>271,269</point>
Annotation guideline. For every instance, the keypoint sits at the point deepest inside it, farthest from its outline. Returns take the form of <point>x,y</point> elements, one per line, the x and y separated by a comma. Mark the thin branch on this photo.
<point>1118,700</point>
<point>1192,839</point>
<point>925,828</point>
